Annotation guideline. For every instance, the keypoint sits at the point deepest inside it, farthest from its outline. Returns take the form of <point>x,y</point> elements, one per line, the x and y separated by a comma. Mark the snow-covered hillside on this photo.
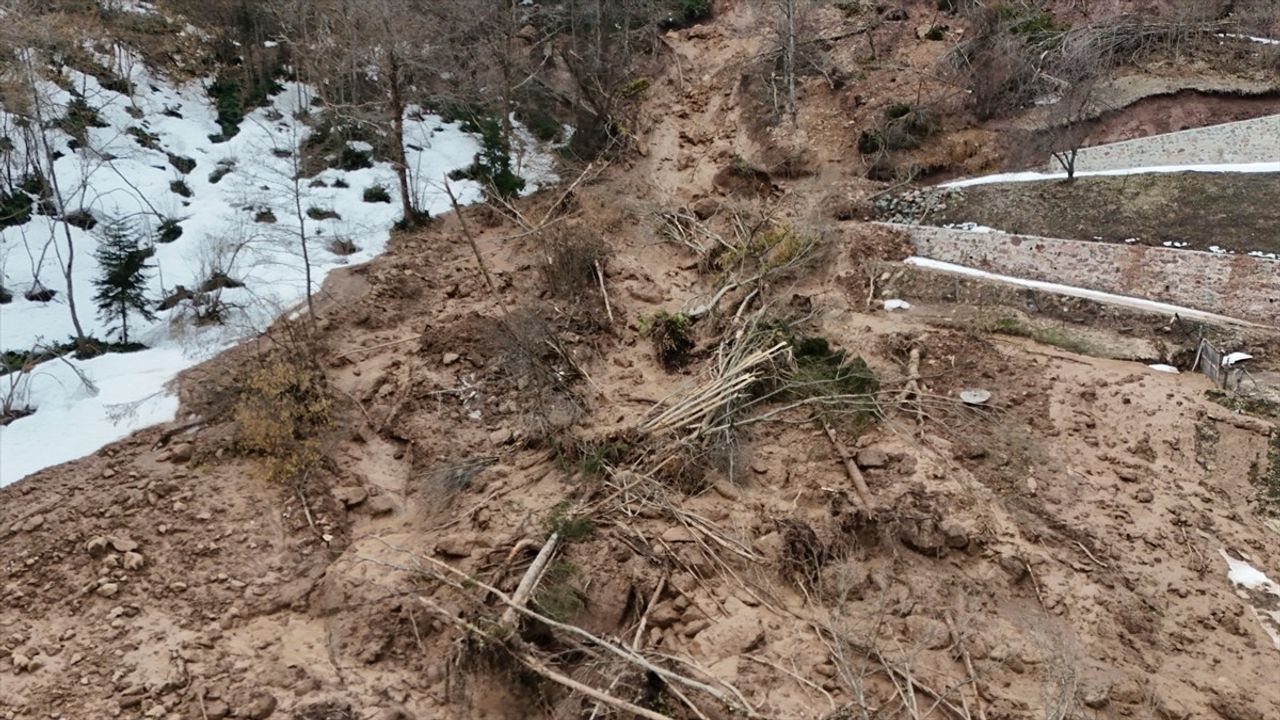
<point>238,216</point>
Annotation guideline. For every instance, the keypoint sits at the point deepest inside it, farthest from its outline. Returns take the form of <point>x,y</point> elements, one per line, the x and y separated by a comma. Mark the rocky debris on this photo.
<point>926,631</point>
<point>97,547</point>
<point>23,662</point>
<point>382,505</point>
<point>912,206</point>
<point>450,358</point>
<point>107,589</point>
<point>1096,694</point>
<point>261,706</point>
<point>956,534</point>
<point>32,523</point>
<point>664,615</point>
<point>871,457</point>
<point>181,453</point>
<point>350,496</point>
<point>1235,705</point>
<point>924,536</point>
<point>122,544</point>
<point>501,436</point>
<point>453,548</point>
<point>132,561</point>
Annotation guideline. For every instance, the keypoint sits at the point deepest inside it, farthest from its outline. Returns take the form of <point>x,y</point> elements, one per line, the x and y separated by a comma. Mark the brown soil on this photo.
<point>1232,211</point>
<point>1058,549</point>
<point>1182,110</point>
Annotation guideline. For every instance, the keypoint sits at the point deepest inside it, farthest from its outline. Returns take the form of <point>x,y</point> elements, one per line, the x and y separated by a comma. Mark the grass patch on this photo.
<point>1057,337</point>
<point>180,187</point>
<point>1178,209</point>
<point>168,231</point>
<point>556,597</point>
<point>1269,479</point>
<point>329,146</point>
<point>343,247</point>
<point>147,140</point>
<point>377,194</point>
<point>1248,404</point>
<point>671,337</point>
<point>82,219</point>
<point>319,213</point>
<point>11,360</point>
<point>595,459</point>
<point>182,164</point>
<point>223,169</point>
<point>775,247</point>
<point>265,216</point>
<point>570,527</point>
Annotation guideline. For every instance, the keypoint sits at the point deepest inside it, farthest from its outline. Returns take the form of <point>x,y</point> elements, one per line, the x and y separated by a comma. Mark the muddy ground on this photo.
<point>1058,552</point>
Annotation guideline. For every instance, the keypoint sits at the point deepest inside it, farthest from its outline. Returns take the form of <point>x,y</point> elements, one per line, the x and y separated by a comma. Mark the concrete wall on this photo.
<point>1246,141</point>
<point>1239,286</point>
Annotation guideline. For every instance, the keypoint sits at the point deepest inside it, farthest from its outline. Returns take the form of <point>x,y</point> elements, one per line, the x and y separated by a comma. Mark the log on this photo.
<point>850,468</point>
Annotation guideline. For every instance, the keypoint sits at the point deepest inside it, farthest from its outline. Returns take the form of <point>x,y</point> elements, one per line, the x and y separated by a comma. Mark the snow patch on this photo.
<point>1258,167</point>
<point>970,227</point>
<point>1161,367</point>
<point>896,304</point>
<point>1124,300</point>
<point>1260,591</point>
<point>218,222</point>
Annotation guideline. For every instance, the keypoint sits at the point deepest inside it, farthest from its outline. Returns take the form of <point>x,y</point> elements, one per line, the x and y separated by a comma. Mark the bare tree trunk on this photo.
<point>42,134</point>
<point>296,180</point>
<point>789,55</point>
<point>397,138</point>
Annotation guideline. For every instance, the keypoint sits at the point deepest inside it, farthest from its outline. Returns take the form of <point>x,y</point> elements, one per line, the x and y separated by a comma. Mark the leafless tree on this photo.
<point>29,39</point>
<point>364,56</point>
<point>289,186</point>
<point>787,39</point>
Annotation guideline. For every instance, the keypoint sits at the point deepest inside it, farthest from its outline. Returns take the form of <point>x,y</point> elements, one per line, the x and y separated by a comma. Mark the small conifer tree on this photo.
<point>492,166</point>
<point>123,283</point>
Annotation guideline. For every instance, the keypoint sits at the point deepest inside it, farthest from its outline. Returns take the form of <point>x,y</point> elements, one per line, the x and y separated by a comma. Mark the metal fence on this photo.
<point>1234,379</point>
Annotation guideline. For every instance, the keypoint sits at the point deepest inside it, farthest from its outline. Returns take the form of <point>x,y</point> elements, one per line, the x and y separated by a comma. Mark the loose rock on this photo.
<point>871,458</point>
<point>382,505</point>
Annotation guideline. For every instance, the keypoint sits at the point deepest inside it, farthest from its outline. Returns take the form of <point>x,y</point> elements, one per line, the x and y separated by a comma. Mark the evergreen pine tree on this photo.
<point>123,283</point>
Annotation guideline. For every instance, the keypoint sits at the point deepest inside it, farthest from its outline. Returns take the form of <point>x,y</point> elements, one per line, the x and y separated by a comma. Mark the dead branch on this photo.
<point>698,407</point>
<point>380,346</point>
<point>644,617</point>
<point>529,581</point>
<point>619,651</point>
<point>911,684</point>
<point>850,468</point>
<point>608,309</point>
<point>587,690</point>
<point>797,677</point>
<point>911,389</point>
<point>475,248</point>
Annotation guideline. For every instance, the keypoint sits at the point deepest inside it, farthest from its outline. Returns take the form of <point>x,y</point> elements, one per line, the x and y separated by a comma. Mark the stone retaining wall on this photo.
<point>1239,286</point>
<point>1246,141</point>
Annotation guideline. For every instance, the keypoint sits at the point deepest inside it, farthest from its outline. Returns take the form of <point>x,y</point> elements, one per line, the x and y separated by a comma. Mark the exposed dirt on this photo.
<point>1182,110</point>
<point>1234,212</point>
<point>1056,549</point>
